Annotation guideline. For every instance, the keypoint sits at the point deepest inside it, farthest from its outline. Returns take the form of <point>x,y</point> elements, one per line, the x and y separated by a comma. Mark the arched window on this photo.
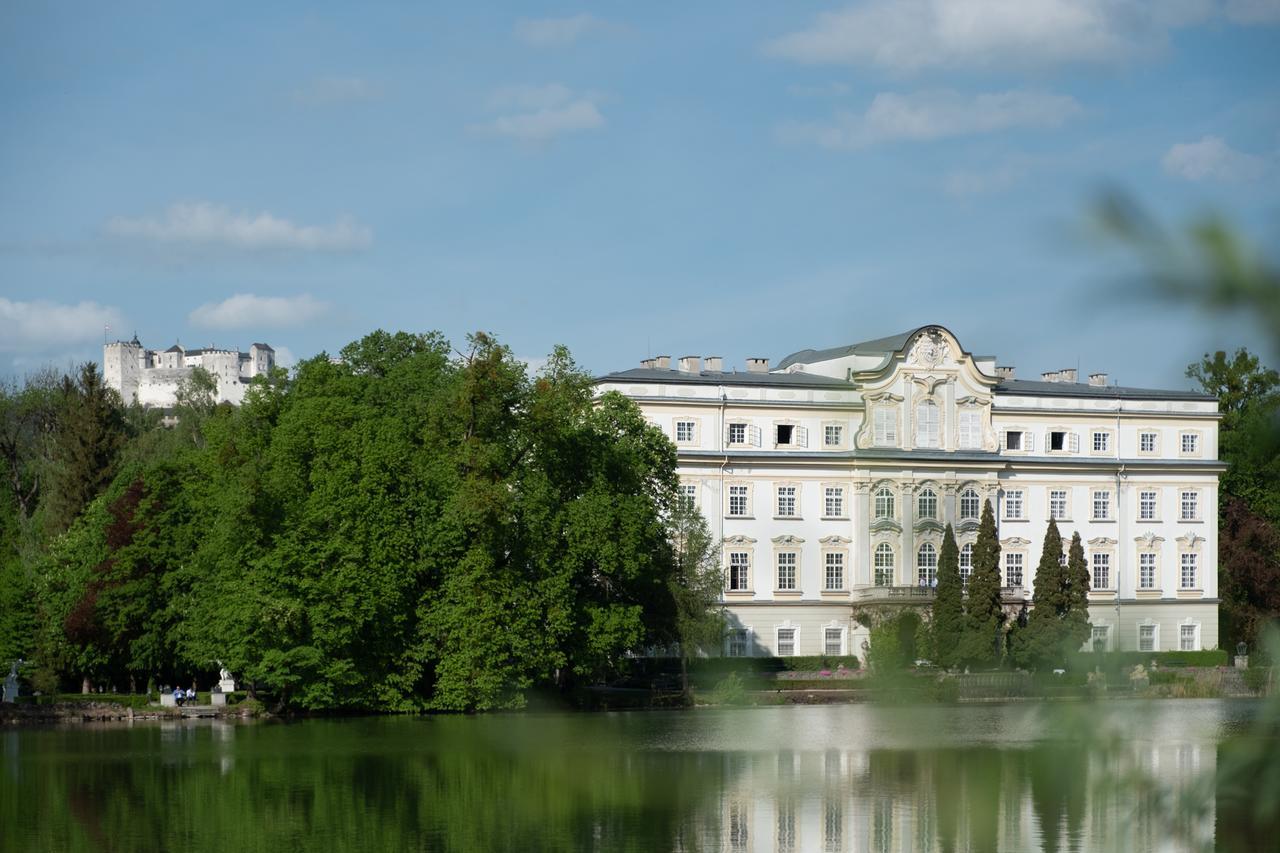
<point>884,564</point>
<point>927,565</point>
<point>969,504</point>
<point>884,502</point>
<point>928,431</point>
<point>966,564</point>
<point>927,503</point>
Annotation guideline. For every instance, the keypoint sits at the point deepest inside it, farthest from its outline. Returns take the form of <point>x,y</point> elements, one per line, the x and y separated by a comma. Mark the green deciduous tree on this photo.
<point>982,643</point>
<point>948,606</point>
<point>696,583</point>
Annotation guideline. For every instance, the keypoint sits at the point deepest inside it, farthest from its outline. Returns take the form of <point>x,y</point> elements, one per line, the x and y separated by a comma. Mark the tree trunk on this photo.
<point>684,677</point>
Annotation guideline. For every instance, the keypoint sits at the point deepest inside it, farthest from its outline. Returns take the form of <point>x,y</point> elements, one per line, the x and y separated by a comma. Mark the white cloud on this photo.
<point>557,32</point>
<point>1253,11</point>
<point>1212,159</point>
<point>325,91</point>
<point>43,326</point>
<point>211,225</point>
<point>247,311</point>
<point>923,116</point>
<point>540,113</point>
<point>911,35</point>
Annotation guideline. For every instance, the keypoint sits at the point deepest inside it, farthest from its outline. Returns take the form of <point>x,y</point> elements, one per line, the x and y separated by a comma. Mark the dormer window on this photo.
<point>885,426</point>
<point>928,430</point>
<point>969,428</point>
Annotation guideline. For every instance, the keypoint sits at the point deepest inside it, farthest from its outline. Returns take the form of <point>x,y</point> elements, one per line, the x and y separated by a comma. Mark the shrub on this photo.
<point>729,691</point>
<point>1255,678</point>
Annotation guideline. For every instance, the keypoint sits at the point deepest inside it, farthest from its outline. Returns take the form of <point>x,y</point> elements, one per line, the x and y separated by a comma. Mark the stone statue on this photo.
<point>226,684</point>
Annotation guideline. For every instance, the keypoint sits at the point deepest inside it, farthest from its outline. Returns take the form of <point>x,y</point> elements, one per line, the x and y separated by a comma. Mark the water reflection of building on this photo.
<point>1051,797</point>
<point>829,480</point>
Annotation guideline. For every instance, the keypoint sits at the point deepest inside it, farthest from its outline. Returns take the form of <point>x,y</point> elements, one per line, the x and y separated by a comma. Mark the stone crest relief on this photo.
<point>930,349</point>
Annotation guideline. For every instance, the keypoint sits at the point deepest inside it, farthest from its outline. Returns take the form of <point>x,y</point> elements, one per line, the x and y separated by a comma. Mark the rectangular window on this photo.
<point>737,643</point>
<point>738,501</point>
<point>1146,570</point>
<point>1013,504</point>
<point>688,495</point>
<point>1146,638</point>
<point>1101,442</point>
<point>966,565</point>
<point>1057,440</point>
<point>833,642</point>
<point>1188,571</point>
<point>1098,636</point>
<point>786,501</point>
<point>885,426</point>
<point>684,431</point>
<point>1147,506</point>
<point>786,642</point>
<point>737,433</point>
<point>835,570</point>
<point>739,571</point>
<point>784,434</point>
<point>833,435</point>
<point>1058,504</point>
<point>1190,508</point>
<point>969,427</point>
<point>1190,443</point>
<point>787,570</point>
<point>1101,571</point>
<point>1187,638</point>
<point>928,429</point>
<point>1101,506</point>
<point>1013,570</point>
<point>833,502</point>
<point>1147,442</point>
<point>1013,441</point>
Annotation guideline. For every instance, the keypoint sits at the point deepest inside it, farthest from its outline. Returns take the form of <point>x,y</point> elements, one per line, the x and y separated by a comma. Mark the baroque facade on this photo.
<point>829,480</point>
<point>151,377</point>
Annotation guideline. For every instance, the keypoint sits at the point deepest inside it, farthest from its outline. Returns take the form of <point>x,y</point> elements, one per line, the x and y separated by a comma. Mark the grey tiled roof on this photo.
<point>893,343</point>
<point>735,377</point>
<point>1106,392</point>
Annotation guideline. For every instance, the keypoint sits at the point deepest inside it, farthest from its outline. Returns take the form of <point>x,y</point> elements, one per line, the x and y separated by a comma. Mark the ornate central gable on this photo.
<point>928,394</point>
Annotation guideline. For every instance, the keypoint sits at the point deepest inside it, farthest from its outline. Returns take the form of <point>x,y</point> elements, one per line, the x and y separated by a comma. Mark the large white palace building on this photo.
<point>829,478</point>
<point>151,377</point>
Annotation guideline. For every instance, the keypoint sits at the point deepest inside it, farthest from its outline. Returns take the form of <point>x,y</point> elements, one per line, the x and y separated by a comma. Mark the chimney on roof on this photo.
<point>648,363</point>
<point>1004,371</point>
<point>1098,379</point>
<point>690,364</point>
<point>757,365</point>
<point>714,364</point>
<point>663,362</point>
<point>1067,374</point>
<point>1049,376</point>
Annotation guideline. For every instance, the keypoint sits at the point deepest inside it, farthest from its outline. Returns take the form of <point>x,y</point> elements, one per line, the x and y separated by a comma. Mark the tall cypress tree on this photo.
<point>948,605</point>
<point>1076,617</point>
<point>981,644</point>
<point>1041,642</point>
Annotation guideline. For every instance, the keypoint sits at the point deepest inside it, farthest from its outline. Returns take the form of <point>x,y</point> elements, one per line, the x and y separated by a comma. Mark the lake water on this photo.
<point>1111,776</point>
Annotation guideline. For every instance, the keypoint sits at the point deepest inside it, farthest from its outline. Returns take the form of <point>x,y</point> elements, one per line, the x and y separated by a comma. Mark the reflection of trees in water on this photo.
<point>579,783</point>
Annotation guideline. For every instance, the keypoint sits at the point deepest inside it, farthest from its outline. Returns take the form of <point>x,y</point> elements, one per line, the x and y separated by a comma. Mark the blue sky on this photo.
<point>627,179</point>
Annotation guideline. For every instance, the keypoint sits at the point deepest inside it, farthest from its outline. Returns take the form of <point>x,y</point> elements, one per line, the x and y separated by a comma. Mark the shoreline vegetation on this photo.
<point>742,686</point>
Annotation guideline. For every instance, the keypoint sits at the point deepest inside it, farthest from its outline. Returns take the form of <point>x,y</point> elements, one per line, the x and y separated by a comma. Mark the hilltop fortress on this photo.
<point>151,377</point>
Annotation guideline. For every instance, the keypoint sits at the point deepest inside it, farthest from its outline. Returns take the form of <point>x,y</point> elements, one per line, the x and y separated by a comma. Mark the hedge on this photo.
<point>1112,660</point>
